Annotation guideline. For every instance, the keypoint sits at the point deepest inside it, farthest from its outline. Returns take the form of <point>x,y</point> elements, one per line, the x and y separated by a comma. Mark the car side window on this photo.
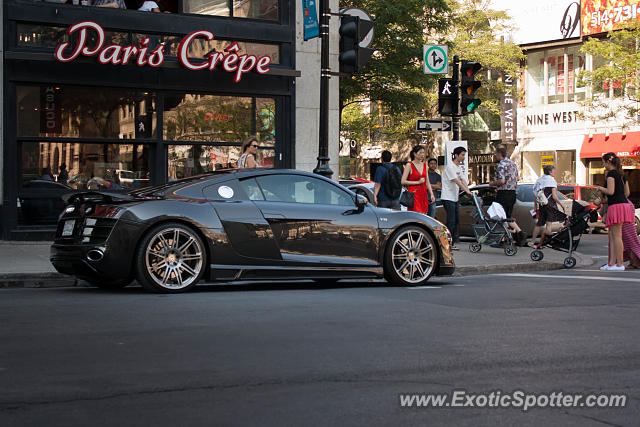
<point>251,187</point>
<point>302,189</point>
<point>488,195</point>
<point>524,193</point>
<point>465,200</point>
<point>225,191</point>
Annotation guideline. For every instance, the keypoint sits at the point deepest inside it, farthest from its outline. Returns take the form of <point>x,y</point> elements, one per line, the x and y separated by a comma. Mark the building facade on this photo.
<point>120,99</point>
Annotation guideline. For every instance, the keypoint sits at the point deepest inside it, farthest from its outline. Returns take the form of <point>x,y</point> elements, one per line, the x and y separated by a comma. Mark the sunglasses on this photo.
<point>253,145</point>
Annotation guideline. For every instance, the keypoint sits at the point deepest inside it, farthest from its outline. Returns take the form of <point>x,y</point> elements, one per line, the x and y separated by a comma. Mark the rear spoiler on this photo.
<point>96,196</point>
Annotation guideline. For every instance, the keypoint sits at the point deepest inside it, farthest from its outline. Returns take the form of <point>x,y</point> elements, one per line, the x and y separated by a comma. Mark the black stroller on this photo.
<point>568,238</point>
<point>494,233</point>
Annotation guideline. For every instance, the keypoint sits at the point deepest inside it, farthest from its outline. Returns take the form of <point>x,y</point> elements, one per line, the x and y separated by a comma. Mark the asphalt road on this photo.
<point>296,354</point>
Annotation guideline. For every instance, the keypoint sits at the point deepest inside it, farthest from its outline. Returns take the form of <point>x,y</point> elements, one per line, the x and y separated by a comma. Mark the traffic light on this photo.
<point>352,31</point>
<point>447,97</point>
<point>468,87</point>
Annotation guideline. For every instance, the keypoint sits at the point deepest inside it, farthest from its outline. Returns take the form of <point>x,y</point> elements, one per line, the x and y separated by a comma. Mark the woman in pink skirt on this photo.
<point>618,213</point>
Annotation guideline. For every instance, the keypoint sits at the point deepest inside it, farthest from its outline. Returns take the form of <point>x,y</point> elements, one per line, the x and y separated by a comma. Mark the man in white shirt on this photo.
<point>453,180</point>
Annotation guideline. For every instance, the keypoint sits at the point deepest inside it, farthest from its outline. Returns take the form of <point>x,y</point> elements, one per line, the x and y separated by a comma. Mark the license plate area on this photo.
<point>67,229</point>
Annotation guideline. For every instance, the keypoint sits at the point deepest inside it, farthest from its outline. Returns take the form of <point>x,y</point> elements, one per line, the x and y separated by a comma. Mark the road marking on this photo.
<point>599,256</point>
<point>425,287</point>
<point>608,278</point>
<point>458,285</point>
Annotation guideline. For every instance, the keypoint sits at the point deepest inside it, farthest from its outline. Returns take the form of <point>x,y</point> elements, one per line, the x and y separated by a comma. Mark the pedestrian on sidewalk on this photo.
<point>454,180</point>
<point>415,178</point>
<point>506,181</point>
<point>630,240</point>
<point>547,213</point>
<point>387,187</point>
<point>617,191</point>
<point>436,184</point>
<point>249,151</point>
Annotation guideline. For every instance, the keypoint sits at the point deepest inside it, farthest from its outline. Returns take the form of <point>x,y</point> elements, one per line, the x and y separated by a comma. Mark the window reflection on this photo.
<point>194,117</point>
<point>81,112</point>
<point>200,48</point>
<point>46,36</point>
<point>190,160</point>
<point>258,9</point>
<point>206,7</point>
<point>82,166</point>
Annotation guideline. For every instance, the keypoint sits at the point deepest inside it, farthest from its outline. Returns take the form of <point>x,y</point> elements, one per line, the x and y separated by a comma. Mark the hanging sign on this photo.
<point>229,60</point>
<point>310,17</point>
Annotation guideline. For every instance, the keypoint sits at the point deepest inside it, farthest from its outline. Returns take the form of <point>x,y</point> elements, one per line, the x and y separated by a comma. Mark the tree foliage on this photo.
<point>394,75</point>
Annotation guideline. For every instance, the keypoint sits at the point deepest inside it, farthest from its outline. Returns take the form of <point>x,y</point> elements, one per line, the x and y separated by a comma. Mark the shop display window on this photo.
<point>256,9</point>
<point>48,170</point>
<point>194,117</point>
<point>82,112</point>
<point>188,160</point>
<point>577,62</point>
<point>535,79</point>
<point>200,48</point>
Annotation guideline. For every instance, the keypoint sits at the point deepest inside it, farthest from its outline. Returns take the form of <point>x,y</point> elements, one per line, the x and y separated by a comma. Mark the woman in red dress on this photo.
<point>416,179</point>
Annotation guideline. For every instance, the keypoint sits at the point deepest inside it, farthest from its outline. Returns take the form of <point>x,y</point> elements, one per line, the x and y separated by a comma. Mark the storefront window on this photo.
<point>576,64</point>
<point>199,48</point>
<point>87,166</point>
<point>600,90</point>
<point>45,36</point>
<point>555,59</point>
<point>206,7</point>
<point>81,112</point>
<point>194,117</point>
<point>535,79</point>
<point>52,169</point>
<point>258,9</point>
<point>189,160</point>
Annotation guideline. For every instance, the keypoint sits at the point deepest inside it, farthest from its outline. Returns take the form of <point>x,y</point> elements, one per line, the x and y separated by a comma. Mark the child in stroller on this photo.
<point>568,238</point>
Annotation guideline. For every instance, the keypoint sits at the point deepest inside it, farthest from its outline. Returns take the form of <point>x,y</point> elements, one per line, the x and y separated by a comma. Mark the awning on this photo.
<point>599,144</point>
<point>552,144</point>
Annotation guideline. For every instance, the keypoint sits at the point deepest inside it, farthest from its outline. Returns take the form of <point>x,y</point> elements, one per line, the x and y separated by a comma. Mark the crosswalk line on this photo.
<point>613,277</point>
<point>424,287</point>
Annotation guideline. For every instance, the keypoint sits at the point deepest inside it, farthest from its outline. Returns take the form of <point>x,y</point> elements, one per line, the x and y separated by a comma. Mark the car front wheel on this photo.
<point>410,258</point>
<point>170,259</point>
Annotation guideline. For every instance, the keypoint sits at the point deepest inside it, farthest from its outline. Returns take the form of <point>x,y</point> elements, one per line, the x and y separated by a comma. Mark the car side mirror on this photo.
<point>361,202</point>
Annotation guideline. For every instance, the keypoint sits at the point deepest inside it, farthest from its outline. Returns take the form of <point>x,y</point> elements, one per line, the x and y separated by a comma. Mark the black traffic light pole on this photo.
<point>455,117</point>
<point>322,168</point>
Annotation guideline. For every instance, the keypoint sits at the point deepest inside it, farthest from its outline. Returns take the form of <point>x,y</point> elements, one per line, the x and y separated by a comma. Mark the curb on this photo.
<point>58,280</point>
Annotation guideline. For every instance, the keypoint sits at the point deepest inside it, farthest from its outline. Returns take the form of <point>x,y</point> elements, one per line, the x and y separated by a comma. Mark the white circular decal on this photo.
<point>225,192</point>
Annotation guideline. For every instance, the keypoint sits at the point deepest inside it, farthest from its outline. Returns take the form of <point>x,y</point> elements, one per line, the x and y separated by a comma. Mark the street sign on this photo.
<point>426,125</point>
<point>436,58</point>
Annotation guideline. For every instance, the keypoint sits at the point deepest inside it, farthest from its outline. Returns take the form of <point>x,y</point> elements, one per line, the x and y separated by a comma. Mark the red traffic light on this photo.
<point>469,68</point>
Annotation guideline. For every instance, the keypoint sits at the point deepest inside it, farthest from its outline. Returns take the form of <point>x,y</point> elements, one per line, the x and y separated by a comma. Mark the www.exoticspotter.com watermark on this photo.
<point>515,399</point>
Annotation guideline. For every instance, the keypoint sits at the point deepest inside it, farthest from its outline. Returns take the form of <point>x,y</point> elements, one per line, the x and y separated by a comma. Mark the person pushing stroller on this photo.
<point>546,203</point>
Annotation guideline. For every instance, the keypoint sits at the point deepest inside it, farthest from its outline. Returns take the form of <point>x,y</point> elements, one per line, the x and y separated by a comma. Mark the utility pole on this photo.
<point>322,168</point>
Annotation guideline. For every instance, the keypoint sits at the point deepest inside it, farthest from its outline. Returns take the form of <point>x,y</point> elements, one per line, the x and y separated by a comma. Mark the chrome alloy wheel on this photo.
<point>174,258</point>
<point>413,256</point>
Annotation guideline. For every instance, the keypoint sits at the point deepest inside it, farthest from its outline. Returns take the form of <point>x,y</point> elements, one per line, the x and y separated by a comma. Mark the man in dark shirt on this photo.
<point>436,184</point>
<point>380,197</point>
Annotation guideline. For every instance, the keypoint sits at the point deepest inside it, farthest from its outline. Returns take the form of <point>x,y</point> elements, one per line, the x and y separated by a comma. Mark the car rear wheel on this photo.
<point>171,258</point>
<point>410,257</point>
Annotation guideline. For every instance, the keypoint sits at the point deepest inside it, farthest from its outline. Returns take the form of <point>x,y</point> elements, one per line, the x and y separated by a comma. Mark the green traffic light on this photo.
<point>473,105</point>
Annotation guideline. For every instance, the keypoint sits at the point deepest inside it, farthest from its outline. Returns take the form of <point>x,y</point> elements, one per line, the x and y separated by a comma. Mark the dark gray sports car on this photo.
<point>244,224</point>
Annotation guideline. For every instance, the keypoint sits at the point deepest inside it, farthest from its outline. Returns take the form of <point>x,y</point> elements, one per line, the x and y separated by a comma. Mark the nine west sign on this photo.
<point>229,60</point>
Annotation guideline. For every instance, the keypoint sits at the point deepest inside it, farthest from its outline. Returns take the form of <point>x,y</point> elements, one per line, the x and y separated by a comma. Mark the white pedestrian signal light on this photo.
<point>447,97</point>
<point>353,30</point>
<point>468,87</point>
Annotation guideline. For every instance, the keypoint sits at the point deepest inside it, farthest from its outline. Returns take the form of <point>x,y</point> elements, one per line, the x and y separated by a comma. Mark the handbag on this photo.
<point>406,199</point>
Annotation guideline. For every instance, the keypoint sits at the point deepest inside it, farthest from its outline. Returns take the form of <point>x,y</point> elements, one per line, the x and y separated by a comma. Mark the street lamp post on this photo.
<point>322,168</point>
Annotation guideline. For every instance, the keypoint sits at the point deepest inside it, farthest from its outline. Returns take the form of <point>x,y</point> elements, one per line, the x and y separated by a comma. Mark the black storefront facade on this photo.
<point>118,127</point>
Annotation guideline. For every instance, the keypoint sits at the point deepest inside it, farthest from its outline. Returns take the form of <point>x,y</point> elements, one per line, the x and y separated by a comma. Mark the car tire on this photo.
<point>110,285</point>
<point>411,257</point>
<point>171,258</point>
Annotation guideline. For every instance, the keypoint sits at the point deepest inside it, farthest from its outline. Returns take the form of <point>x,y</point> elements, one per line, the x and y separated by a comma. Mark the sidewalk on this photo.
<point>26,264</point>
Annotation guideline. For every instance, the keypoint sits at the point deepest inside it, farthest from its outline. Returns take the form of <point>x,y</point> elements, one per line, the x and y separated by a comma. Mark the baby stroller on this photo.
<point>568,238</point>
<point>494,233</point>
